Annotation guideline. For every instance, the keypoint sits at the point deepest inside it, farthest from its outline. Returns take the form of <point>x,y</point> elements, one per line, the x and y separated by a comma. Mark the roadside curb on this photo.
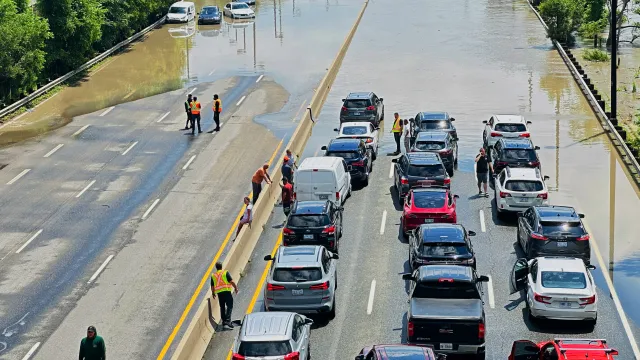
<point>617,135</point>
<point>202,326</point>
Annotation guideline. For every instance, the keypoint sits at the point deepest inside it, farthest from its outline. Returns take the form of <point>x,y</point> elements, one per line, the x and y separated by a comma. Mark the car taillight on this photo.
<point>538,236</point>
<point>447,181</point>
<point>344,109</point>
<point>358,163</point>
<point>525,135</point>
<point>371,108</point>
<point>323,286</point>
<point>504,194</point>
<point>584,237</point>
<point>541,299</point>
<point>410,329</point>
<point>287,231</point>
<point>329,230</point>
<point>501,163</point>
<point>404,181</point>
<point>271,287</point>
<point>481,331</point>
<point>369,140</point>
<point>534,163</point>
<point>292,356</point>
<point>495,134</point>
<point>446,152</point>
<point>543,196</point>
<point>238,357</point>
<point>588,300</point>
<point>337,195</point>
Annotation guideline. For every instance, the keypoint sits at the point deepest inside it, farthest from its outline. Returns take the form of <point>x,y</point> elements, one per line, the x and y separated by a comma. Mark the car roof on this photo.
<point>181,4</point>
<point>300,255</point>
<point>319,162</point>
<point>359,95</point>
<point>441,114</point>
<point>355,124</point>
<point>523,173</point>
<point>442,233</point>
<point>343,144</point>
<point>435,272</point>
<point>272,326</point>
<point>314,207</point>
<point>557,213</point>
<point>432,135</point>
<point>435,189</point>
<point>404,352</point>
<point>556,263</point>
<point>210,7</point>
<point>517,143</point>
<point>509,118</point>
<point>423,158</point>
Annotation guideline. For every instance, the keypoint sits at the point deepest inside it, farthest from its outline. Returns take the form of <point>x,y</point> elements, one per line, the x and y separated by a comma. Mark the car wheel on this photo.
<point>382,117</point>
<point>365,182</point>
<point>332,313</point>
<point>592,322</point>
<point>532,319</point>
<point>450,171</point>
<point>374,154</point>
<point>481,356</point>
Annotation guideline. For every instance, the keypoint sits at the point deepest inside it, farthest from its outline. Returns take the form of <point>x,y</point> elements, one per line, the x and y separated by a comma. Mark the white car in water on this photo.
<point>366,131</point>
<point>238,10</point>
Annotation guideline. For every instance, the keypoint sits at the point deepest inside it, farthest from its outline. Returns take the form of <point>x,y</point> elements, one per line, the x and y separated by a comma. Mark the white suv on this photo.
<point>517,189</point>
<point>508,126</point>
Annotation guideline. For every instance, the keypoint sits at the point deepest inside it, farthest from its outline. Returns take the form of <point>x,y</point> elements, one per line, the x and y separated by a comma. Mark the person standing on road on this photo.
<point>221,286</point>
<point>187,109</point>
<point>92,347</point>
<point>397,132</point>
<point>247,216</point>
<point>407,136</point>
<point>483,165</point>
<point>287,171</point>
<point>292,159</point>
<point>195,115</point>
<point>217,109</point>
<point>287,196</point>
<point>256,181</point>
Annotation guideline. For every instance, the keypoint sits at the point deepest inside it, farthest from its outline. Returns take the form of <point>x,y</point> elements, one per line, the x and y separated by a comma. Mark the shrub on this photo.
<point>596,55</point>
<point>563,17</point>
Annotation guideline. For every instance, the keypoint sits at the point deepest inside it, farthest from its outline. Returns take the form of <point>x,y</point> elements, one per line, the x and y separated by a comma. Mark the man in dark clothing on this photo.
<point>221,286</point>
<point>92,347</point>
<point>483,164</point>
<point>187,109</point>
<point>287,196</point>
<point>217,109</point>
<point>287,171</point>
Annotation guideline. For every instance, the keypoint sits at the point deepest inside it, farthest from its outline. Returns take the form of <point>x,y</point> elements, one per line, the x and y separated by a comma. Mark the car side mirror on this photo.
<point>613,352</point>
<point>308,321</point>
<point>456,196</point>
<point>336,129</point>
<point>581,216</point>
<point>335,256</point>
<point>268,258</point>
<point>471,233</point>
<point>343,100</point>
<point>323,148</point>
<point>452,119</point>
<point>377,127</point>
<point>528,122</point>
<point>591,267</point>
<point>381,99</point>
<point>536,147</point>
<point>394,160</point>
<point>407,276</point>
<point>484,121</point>
<point>545,177</point>
<point>483,278</point>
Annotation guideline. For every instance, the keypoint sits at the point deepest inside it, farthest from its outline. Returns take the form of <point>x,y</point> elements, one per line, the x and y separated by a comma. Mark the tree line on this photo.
<point>43,42</point>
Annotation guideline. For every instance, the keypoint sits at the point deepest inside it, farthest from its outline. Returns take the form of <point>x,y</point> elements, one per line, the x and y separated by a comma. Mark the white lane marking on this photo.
<point>614,294</point>
<point>391,171</point>
<point>107,111</point>
<point>104,265</point>
<point>23,173</point>
<point>241,100</point>
<point>85,188</point>
<point>260,78</point>
<point>212,71</point>
<point>53,150</point>
<point>81,130</point>
<point>482,226</point>
<point>371,295</point>
<point>188,163</point>
<point>129,148</point>
<point>492,301</point>
<point>384,220</point>
<point>29,241</point>
<point>192,90</point>
<point>146,213</point>
<point>164,116</point>
<point>31,351</point>
<point>317,151</point>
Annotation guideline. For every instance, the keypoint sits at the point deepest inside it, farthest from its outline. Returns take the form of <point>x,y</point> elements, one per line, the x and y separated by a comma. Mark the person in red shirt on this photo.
<point>287,196</point>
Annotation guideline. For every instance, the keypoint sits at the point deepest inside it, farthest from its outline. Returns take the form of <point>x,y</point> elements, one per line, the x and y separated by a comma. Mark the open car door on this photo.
<point>519,275</point>
<point>524,350</point>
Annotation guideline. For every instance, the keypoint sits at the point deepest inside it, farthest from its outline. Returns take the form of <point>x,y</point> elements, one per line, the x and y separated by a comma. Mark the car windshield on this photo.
<point>354,130</point>
<point>563,280</point>
<point>297,275</point>
<point>510,127</point>
<point>264,348</point>
<point>520,154</point>
<point>239,6</point>
<point>444,249</point>
<point>308,220</point>
<point>177,10</point>
<point>429,199</point>
<point>559,227</point>
<point>356,104</point>
<point>347,155</point>
<point>524,185</point>
<point>446,290</point>
<point>209,11</point>
<point>426,171</point>
<point>435,125</point>
<point>429,145</point>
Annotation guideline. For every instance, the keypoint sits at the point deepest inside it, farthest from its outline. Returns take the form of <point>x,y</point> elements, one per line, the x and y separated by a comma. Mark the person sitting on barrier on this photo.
<point>246,217</point>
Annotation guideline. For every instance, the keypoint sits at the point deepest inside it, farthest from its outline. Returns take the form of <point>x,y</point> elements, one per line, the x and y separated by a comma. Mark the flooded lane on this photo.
<point>288,40</point>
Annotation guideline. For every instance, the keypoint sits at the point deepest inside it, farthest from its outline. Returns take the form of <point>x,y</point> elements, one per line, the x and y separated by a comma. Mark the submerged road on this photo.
<point>472,59</point>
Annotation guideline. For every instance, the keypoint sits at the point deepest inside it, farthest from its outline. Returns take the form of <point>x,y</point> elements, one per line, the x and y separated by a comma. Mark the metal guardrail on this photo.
<point>597,105</point>
<point>41,91</point>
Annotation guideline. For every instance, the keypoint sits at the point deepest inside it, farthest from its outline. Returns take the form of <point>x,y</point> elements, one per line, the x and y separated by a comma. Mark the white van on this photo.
<point>181,12</point>
<point>322,178</point>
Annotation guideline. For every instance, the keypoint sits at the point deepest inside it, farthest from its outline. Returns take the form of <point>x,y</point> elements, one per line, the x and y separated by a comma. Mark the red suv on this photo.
<point>562,349</point>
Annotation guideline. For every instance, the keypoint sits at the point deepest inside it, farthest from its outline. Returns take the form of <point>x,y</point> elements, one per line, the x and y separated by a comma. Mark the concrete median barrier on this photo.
<point>202,326</point>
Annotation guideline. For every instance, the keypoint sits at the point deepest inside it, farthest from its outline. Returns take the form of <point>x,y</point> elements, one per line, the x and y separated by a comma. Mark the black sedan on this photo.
<point>355,153</point>
<point>314,223</point>
<point>209,15</point>
<point>441,244</point>
<point>420,169</point>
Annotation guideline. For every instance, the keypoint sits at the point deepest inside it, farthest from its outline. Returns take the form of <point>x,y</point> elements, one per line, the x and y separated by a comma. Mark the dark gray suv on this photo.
<point>362,106</point>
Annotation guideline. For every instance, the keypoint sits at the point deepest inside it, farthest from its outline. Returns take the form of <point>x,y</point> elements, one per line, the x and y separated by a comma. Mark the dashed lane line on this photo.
<point>146,213</point>
<point>260,78</point>
<point>81,130</point>
<point>129,148</point>
<point>23,173</point>
<point>164,116</point>
<point>482,225</point>
<point>188,163</point>
<point>53,150</point>
<point>85,188</point>
<point>241,100</point>
<point>29,241</point>
<point>384,221</point>
<point>104,265</point>
<point>372,293</point>
<point>492,301</point>
<point>391,171</point>
<point>31,351</point>
<point>107,111</point>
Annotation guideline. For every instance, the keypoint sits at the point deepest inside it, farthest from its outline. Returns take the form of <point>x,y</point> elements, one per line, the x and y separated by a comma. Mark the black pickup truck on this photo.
<point>446,309</point>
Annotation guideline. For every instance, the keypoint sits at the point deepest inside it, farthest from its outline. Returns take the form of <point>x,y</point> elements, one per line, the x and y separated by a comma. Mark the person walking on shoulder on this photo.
<point>92,347</point>
<point>195,115</point>
<point>397,132</point>
<point>483,165</point>
<point>221,286</point>
<point>247,217</point>
<point>217,109</point>
<point>187,109</point>
<point>256,181</point>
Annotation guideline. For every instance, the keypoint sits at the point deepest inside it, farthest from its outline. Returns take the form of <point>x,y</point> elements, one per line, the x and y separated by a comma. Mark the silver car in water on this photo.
<point>273,336</point>
<point>302,279</point>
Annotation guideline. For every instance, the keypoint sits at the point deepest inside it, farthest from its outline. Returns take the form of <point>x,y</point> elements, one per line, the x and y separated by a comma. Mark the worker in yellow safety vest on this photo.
<point>397,131</point>
<point>221,286</point>
<point>217,109</point>
<point>195,115</point>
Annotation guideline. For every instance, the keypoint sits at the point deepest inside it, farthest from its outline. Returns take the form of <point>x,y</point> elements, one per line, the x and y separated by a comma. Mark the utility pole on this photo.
<point>614,60</point>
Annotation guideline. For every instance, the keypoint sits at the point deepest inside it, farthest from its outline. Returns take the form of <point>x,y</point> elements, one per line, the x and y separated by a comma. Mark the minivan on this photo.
<point>181,12</point>
<point>322,178</point>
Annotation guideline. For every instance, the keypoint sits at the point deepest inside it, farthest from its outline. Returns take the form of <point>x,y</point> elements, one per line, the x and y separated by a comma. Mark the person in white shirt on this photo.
<point>292,159</point>
<point>407,136</point>
<point>247,217</point>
